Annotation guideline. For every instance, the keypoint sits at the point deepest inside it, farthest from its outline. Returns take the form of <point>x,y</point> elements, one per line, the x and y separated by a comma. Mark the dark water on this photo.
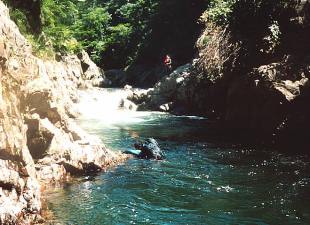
<point>198,183</point>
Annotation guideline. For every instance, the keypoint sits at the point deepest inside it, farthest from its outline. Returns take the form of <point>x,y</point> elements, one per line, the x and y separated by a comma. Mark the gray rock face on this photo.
<point>92,72</point>
<point>39,141</point>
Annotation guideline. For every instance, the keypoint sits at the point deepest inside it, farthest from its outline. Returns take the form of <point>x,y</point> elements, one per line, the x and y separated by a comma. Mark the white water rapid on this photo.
<point>105,105</point>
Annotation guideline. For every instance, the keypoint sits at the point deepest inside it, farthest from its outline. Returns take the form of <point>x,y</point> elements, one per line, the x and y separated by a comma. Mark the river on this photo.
<point>200,182</point>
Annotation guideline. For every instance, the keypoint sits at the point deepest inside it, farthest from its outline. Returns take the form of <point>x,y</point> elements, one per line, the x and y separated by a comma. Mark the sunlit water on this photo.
<point>198,183</point>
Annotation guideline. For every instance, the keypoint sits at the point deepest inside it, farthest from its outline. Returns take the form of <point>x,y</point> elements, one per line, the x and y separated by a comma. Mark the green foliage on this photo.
<point>110,30</point>
<point>39,47</point>
<point>128,29</point>
<point>219,11</point>
<point>174,31</point>
<point>114,32</point>
<point>272,40</point>
<point>57,18</point>
<point>20,18</point>
<point>260,25</point>
<point>92,30</point>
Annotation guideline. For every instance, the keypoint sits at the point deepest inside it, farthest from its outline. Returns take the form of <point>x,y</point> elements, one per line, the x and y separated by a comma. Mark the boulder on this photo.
<point>39,137</point>
<point>17,194</point>
<point>9,178</point>
<point>50,172</point>
<point>92,72</point>
<point>165,93</point>
<point>138,96</point>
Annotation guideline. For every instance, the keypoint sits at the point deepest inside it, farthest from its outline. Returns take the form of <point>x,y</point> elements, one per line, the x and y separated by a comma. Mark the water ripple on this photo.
<point>198,183</point>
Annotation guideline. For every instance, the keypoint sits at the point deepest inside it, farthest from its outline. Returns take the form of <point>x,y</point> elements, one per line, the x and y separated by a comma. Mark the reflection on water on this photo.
<point>198,183</point>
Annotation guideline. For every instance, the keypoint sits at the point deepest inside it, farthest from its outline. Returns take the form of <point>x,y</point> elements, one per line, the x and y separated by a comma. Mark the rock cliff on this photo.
<point>252,78</point>
<point>39,140</point>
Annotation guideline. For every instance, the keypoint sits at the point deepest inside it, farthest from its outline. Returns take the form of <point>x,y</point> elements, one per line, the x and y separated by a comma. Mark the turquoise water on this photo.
<point>199,182</point>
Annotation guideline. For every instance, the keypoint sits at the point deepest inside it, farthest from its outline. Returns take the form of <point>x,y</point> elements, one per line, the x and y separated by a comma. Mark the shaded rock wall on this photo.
<point>263,82</point>
<point>254,93</point>
<point>39,140</point>
<point>32,8</point>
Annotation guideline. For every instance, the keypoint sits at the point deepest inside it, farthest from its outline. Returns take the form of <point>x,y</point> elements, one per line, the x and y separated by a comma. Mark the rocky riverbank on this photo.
<point>40,142</point>
<point>253,84</point>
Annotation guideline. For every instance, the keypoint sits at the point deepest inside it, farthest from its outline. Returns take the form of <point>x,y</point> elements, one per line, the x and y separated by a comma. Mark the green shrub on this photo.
<point>273,37</point>
<point>219,11</point>
<point>39,47</point>
<point>20,18</point>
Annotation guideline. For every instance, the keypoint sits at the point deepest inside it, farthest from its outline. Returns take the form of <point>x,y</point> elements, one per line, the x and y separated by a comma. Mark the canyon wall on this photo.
<point>251,76</point>
<point>40,142</point>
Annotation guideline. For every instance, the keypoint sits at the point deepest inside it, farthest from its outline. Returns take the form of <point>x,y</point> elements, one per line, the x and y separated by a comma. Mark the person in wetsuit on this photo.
<point>149,149</point>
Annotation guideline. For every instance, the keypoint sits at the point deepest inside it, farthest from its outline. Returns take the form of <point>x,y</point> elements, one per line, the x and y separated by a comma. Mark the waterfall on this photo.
<point>106,106</point>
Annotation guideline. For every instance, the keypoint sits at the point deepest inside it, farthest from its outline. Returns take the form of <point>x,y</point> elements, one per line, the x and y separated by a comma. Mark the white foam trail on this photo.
<point>103,105</point>
<point>193,117</point>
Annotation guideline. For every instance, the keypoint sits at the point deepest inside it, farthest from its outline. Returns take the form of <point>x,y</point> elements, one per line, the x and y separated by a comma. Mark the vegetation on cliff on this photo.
<point>115,33</point>
<point>254,63</point>
<point>262,31</point>
<point>103,28</point>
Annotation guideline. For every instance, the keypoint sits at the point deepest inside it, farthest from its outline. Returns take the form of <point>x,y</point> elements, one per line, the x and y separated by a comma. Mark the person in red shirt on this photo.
<point>168,62</point>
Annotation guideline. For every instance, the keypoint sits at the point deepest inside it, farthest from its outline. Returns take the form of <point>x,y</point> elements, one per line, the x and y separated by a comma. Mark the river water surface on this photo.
<point>198,183</point>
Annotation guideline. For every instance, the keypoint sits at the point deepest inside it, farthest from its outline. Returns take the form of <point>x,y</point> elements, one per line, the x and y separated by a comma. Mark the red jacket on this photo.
<point>167,60</point>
